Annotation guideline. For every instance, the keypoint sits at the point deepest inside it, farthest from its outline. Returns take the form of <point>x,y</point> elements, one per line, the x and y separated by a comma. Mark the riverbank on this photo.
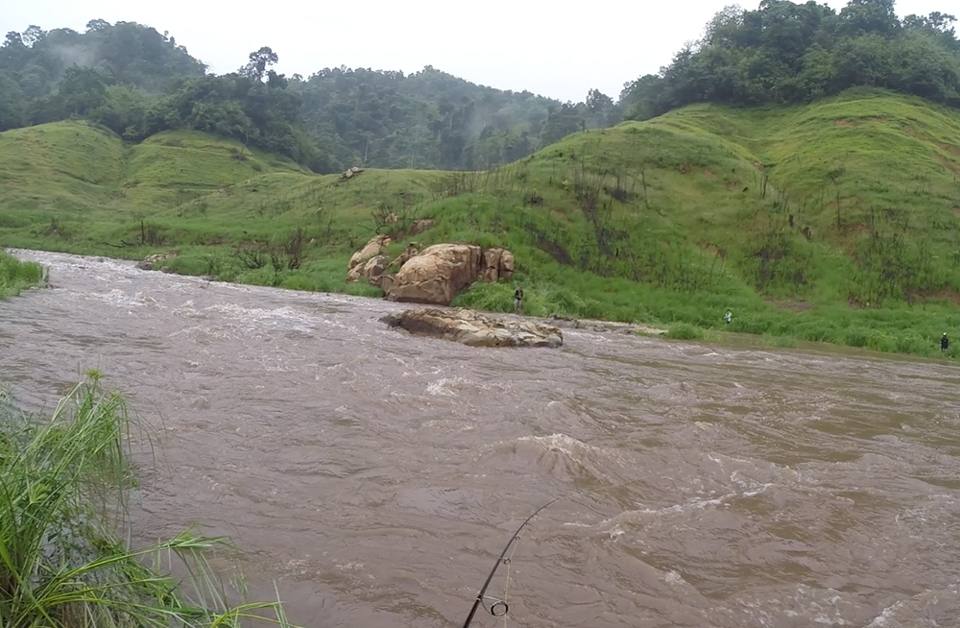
<point>897,329</point>
<point>63,497</point>
<point>670,222</point>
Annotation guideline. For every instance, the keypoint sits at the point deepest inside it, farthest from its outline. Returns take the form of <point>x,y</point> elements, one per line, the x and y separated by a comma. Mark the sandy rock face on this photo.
<point>410,252</point>
<point>372,270</point>
<point>476,330</point>
<point>376,246</point>
<point>437,274</point>
<point>497,265</point>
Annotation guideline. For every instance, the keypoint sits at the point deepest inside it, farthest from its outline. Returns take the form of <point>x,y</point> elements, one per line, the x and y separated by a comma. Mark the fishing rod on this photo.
<point>500,607</point>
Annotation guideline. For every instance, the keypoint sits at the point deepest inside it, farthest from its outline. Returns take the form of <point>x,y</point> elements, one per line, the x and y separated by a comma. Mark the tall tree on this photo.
<point>32,35</point>
<point>601,110</point>
<point>260,60</point>
<point>869,16</point>
<point>97,25</point>
<point>787,52</point>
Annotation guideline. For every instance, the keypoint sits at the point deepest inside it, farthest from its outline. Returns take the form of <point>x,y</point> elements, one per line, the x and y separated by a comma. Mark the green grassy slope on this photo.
<point>69,170</point>
<point>834,221</point>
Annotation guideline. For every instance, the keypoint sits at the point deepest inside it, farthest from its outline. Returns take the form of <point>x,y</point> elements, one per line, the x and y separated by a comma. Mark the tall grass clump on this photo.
<point>684,331</point>
<point>62,565</point>
<point>16,275</point>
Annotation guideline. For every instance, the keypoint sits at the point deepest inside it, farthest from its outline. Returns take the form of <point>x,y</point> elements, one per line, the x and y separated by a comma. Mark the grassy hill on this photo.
<point>835,221</point>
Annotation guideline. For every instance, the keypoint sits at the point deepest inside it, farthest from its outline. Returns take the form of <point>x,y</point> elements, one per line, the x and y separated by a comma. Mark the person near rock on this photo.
<point>944,342</point>
<point>728,317</point>
<point>518,300</point>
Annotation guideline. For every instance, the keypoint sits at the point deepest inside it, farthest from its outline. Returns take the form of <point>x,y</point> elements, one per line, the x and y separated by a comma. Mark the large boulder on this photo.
<point>476,330</point>
<point>437,274</point>
<point>376,246</point>
<point>434,275</point>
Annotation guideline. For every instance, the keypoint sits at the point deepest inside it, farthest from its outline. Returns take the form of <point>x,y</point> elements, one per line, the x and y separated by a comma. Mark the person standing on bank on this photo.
<point>518,300</point>
<point>944,342</point>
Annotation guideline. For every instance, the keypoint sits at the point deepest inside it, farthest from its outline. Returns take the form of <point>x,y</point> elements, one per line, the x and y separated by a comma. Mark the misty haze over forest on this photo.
<point>137,82</point>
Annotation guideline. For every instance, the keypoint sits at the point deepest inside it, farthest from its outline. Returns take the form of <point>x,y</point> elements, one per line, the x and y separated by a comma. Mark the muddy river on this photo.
<point>375,477</point>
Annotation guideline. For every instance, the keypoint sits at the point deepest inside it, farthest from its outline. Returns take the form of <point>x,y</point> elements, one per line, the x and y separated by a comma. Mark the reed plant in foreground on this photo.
<point>62,564</point>
<point>16,275</point>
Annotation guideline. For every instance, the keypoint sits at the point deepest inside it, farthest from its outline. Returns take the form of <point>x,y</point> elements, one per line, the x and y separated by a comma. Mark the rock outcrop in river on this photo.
<point>476,330</point>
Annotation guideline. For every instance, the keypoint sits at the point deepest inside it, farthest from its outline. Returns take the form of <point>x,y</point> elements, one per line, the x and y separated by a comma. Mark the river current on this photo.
<point>375,476</point>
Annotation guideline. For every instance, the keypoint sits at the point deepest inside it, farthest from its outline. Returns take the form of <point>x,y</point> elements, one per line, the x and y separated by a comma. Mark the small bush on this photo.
<point>856,338</point>
<point>878,341</point>
<point>16,275</point>
<point>533,199</point>
<point>684,331</point>
<point>783,342</point>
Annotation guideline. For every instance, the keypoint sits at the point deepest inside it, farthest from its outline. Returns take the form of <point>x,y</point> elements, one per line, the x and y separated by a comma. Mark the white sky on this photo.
<point>555,48</point>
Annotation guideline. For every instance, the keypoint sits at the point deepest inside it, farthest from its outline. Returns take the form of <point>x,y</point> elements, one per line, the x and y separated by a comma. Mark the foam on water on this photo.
<point>444,387</point>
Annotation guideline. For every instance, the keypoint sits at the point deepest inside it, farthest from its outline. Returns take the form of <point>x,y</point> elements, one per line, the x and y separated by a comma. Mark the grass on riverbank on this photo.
<point>837,221</point>
<point>62,487</point>
<point>16,275</point>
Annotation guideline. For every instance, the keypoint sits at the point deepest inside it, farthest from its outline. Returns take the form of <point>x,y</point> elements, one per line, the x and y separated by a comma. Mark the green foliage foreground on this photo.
<point>16,275</point>
<point>62,485</point>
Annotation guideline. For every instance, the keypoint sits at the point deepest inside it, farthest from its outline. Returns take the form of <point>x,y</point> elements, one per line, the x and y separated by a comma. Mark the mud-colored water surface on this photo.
<point>376,476</point>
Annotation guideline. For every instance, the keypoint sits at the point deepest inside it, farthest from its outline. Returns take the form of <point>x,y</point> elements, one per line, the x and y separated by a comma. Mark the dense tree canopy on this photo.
<point>425,119</point>
<point>137,82</point>
<point>785,52</point>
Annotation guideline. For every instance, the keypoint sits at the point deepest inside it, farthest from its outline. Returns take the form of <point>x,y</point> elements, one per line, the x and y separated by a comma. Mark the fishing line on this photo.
<point>500,608</point>
<point>506,583</point>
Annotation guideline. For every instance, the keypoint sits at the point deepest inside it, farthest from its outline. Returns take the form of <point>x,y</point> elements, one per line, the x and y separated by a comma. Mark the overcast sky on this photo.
<point>555,48</point>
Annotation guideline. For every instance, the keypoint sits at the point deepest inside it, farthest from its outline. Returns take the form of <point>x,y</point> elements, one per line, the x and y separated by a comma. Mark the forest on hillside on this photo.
<point>137,82</point>
<point>785,52</point>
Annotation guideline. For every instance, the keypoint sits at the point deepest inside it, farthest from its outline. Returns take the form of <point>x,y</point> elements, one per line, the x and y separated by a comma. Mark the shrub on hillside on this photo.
<point>684,331</point>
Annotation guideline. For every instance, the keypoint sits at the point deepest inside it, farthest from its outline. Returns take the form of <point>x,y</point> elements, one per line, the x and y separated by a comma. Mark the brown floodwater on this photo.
<point>375,476</point>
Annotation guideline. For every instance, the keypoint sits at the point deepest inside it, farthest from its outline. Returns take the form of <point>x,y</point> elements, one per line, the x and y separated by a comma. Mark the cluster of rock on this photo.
<point>439,272</point>
<point>633,329</point>
<point>434,275</point>
<point>369,262</point>
<point>349,173</point>
<point>476,330</point>
<point>151,262</point>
